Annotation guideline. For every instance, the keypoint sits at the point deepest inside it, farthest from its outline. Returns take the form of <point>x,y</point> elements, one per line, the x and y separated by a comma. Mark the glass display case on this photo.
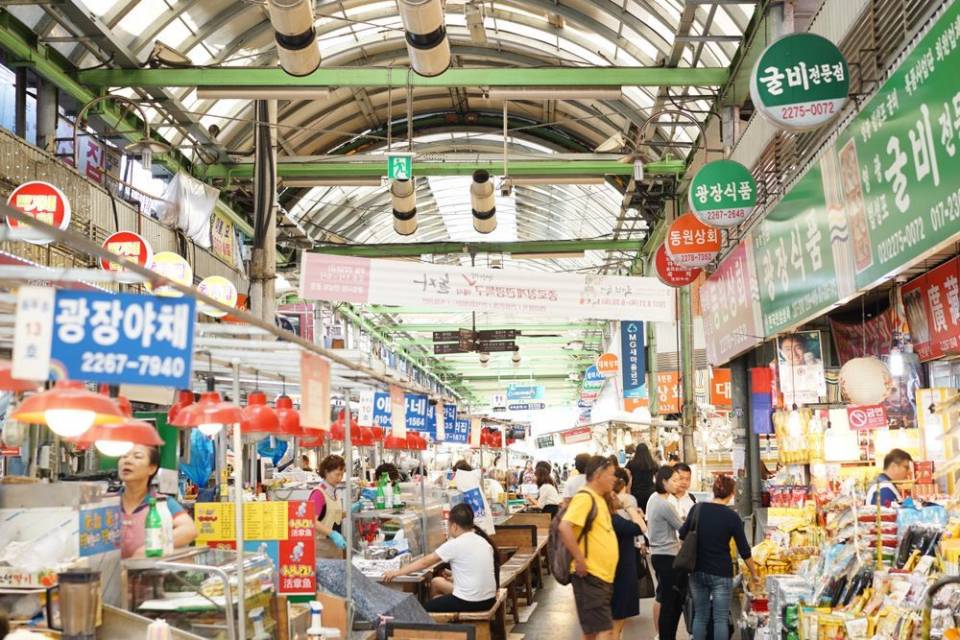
<point>193,589</point>
<point>419,523</point>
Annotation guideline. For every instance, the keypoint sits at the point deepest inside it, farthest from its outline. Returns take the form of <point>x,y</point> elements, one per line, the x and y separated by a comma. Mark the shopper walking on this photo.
<point>712,580</point>
<point>663,522</point>
<point>642,467</point>
<point>548,498</point>
<point>595,553</point>
<point>576,481</point>
<point>628,523</point>
<point>474,567</point>
<point>681,499</point>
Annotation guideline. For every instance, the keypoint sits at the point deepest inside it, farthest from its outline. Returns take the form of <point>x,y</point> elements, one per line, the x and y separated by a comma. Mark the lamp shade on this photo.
<point>338,430</point>
<point>393,442</point>
<point>289,418</point>
<point>209,414</point>
<point>9,383</point>
<point>865,381</point>
<point>184,399</point>
<point>415,441</point>
<point>315,440</point>
<point>69,409</point>
<point>258,418</point>
<point>117,439</point>
<point>362,437</point>
<point>125,407</point>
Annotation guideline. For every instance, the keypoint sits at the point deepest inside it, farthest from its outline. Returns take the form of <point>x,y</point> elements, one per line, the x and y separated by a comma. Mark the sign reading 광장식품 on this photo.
<point>722,193</point>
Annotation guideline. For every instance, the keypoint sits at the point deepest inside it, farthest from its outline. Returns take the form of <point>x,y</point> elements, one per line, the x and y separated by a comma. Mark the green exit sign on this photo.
<point>400,166</point>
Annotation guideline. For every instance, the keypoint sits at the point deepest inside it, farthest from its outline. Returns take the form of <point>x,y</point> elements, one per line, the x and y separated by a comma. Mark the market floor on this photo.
<point>555,618</point>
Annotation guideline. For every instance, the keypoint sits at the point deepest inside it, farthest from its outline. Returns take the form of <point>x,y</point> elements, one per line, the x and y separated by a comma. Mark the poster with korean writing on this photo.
<point>415,412</point>
<point>668,392</point>
<point>222,237</point>
<point>450,287</point>
<point>633,367</point>
<point>932,304</point>
<point>871,336</point>
<point>721,388</point>
<point>315,392</point>
<point>731,311</point>
<point>899,158</point>
<point>793,257</point>
<point>119,338</point>
<point>99,530</point>
<point>297,553</point>
<point>800,367</point>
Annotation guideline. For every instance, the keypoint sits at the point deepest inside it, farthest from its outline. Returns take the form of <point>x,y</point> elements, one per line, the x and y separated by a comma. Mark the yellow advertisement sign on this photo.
<point>261,521</point>
<point>222,237</point>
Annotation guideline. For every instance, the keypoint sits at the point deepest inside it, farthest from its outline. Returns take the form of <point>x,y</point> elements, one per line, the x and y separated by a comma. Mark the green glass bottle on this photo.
<point>153,530</point>
<point>381,500</point>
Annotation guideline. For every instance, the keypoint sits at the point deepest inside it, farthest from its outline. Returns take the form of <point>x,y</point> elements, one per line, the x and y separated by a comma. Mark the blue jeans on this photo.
<point>706,587</point>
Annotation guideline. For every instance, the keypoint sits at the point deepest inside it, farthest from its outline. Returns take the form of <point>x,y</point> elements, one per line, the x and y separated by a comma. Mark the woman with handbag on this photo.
<point>628,523</point>
<point>711,582</point>
<point>663,522</point>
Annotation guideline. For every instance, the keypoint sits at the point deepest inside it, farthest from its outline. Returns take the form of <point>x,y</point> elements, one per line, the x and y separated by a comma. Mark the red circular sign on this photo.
<point>129,245</point>
<point>669,273</point>
<point>44,202</point>
<point>691,243</point>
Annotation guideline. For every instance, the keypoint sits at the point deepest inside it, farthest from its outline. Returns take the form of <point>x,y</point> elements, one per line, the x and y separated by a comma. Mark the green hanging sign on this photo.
<point>723,193</point>
<point>801,81</point>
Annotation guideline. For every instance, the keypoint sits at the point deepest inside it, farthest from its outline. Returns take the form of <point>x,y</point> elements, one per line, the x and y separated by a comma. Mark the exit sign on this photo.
<point>399,166</point>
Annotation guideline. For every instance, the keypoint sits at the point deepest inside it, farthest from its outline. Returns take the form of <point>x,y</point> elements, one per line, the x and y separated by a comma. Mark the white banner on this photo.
<point>361,280</point>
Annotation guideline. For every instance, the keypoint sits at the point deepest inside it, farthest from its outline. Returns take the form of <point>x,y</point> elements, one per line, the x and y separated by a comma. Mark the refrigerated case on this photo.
<point>189,590</point>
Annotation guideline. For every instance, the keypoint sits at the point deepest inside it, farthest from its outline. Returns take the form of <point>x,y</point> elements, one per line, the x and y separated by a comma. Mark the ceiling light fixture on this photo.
<point>209,413</point>
<point>404,196</point>
<point>115,440</point>
<point>297,47</point>
<point>426,36</point>
<point>483,202</point>
<point>69,409</point>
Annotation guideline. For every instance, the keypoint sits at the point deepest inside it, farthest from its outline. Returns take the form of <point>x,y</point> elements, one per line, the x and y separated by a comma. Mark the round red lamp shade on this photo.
<point>258,417</point>
<point>209,409</point>
<point>9,383</point>
<point>289,418</point>
<point>133,431</point>
<point>68,395</point>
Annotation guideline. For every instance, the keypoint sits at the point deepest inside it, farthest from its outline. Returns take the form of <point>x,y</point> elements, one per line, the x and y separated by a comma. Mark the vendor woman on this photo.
<point>328,508</point>
<point>137,469</point>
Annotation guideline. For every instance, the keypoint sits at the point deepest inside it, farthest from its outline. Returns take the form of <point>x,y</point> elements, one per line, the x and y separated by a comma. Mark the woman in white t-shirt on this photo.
<point>548,498</point>
<point>474,567</point>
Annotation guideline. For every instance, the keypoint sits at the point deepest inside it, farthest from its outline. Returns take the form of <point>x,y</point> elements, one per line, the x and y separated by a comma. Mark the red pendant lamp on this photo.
<point>395,443</point>
<point>416,442</point>
<point>313,440</point>
<point>115,440</point>
<point>69,409</point>
<point>289,418</point>
<point>184,399</point>
<point>258,420</point>
<point>125,407</point>
<point>209,413</point>
<point>9,383</point>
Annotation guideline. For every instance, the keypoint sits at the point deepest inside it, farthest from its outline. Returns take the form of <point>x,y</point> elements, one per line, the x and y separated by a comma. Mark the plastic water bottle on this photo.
<point>315,632</point>
<point>388,493</point>
<point>166,519</point>
<point>258,631</point>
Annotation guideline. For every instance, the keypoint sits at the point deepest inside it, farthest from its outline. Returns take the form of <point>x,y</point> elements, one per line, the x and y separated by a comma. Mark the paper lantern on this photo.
<point>865,381</point>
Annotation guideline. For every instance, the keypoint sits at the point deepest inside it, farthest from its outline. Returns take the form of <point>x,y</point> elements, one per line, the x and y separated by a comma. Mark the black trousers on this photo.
<point>671,585</point>
<point>452,604</point>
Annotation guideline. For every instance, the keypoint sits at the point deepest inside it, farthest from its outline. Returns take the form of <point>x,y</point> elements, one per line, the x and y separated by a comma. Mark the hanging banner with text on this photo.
<point>361,280</point>
<point>668,392</point>
<point>633,368</point>
<point>932,305</point>
<point>398,412</point>
<point>115,338</point>
<point>315,392</point>
<point>731,319</point>
<point>415,413</point>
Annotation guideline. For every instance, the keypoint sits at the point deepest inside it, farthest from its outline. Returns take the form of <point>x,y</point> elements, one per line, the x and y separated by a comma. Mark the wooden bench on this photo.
<point>526,538</point>
<point>489,625</point>
<point>540,520</point>
<point>417,631</point>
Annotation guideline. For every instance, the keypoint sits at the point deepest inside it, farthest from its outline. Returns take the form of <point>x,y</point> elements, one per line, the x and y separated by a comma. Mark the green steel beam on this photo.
<point>48,64</point>
<point>400,249</point>
<point>399,78</point>
<point>573,326</point>
<point>375,168</point>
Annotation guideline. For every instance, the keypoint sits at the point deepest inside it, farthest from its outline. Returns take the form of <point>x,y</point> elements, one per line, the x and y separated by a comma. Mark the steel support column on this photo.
<point>687,374</point>
<point>382,77</point>
<point>46,115</point>
<point>263,263</point>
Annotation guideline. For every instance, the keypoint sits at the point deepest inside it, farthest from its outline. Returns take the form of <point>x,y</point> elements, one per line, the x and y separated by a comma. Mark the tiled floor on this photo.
<point>555,618</point>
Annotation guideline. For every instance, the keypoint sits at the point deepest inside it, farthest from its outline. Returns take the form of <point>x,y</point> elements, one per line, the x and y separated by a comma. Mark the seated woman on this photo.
<point>548,497</point>
<point>474,566</point>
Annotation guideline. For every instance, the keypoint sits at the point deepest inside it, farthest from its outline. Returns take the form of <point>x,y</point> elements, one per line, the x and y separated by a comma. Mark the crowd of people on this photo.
<point>619,521</point>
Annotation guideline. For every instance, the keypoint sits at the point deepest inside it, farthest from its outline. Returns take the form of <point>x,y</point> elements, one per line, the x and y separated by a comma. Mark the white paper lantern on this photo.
<point>865,381</point>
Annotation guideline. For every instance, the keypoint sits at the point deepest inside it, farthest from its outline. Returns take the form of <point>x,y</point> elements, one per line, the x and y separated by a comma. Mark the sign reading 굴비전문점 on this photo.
<point>117,338</point>
<point>800,81</point>
<point>722,193</point>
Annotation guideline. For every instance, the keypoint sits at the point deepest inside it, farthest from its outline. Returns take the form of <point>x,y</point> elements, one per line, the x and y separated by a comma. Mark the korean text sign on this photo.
<point>415,405</point>
<point>633,361</point>
<point>120,338</point>
<point>450,426</point>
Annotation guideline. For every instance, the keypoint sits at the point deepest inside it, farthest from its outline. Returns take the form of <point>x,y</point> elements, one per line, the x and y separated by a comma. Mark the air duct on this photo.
<point>292,22</point>
<point>404,194</point>
<point>427,42</point>
<point>483,202</point>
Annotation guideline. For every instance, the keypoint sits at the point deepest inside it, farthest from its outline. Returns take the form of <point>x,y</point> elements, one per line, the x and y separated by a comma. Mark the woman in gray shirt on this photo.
<point>663,522</point>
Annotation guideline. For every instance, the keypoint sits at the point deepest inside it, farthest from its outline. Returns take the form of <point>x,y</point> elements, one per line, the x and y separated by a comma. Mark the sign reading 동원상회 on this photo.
<point>800,81</point>
<point>360,280</point>
<point>723,193</point>
<point>116,338</point>
<point>690,243</point>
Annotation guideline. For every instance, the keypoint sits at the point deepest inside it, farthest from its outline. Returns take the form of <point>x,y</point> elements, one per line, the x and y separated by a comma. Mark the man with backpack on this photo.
<point>586,533</point>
